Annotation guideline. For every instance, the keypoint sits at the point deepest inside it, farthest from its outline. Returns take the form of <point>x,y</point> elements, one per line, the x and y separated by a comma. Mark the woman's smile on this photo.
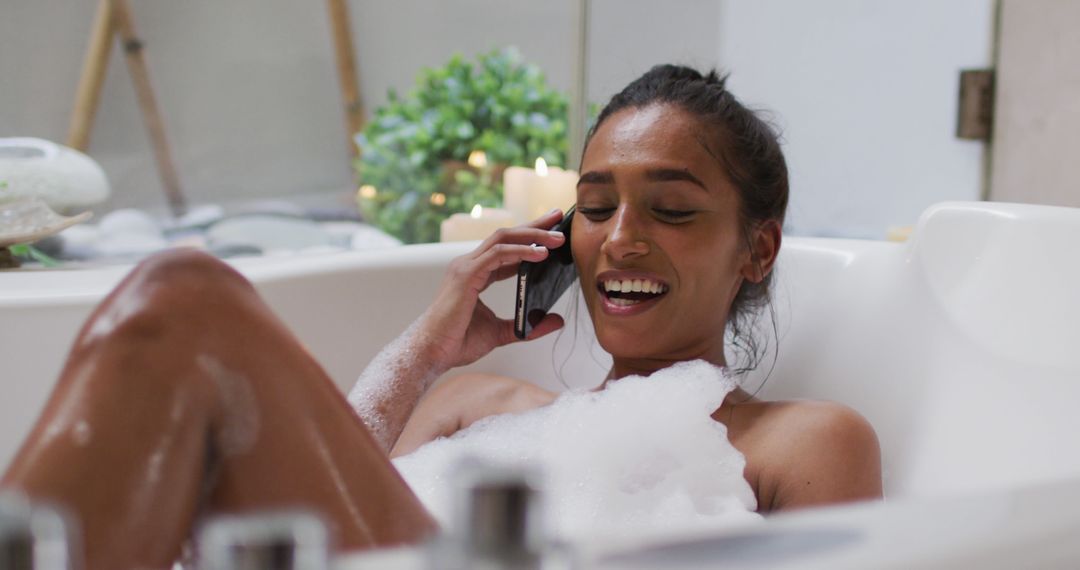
<point>627,293</point>
<point>657,237</point>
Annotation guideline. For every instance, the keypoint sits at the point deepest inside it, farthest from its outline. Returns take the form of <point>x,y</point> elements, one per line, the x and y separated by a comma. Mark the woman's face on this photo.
<point>657,239</point>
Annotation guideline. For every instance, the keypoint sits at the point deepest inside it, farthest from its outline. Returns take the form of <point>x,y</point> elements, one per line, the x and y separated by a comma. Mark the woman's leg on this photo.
<point>182,394</point>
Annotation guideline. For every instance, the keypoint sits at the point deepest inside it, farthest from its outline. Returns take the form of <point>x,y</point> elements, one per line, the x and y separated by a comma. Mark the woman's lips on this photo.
<point>626,310</point>
<point>632,304</point>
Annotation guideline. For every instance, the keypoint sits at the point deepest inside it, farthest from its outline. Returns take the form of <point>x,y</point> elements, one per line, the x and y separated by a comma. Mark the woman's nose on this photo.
<point>625,240</point>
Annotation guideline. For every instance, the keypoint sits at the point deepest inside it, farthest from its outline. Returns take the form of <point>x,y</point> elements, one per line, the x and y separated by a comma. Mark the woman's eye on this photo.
<point>595,213</point>
<point>674,214</point>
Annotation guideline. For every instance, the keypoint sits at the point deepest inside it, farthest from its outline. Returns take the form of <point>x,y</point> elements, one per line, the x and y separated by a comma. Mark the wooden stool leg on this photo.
<point>140,75</point>
<point>346,69</point>
<point>93,74</point>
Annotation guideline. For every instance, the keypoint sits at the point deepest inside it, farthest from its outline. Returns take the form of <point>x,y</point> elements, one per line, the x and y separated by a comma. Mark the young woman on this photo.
<point>184,395</point>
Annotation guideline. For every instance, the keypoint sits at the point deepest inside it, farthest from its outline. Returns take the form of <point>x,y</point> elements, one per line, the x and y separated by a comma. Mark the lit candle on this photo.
<point>532,192</point>
<point>477,159</point>
<point>478,224</point>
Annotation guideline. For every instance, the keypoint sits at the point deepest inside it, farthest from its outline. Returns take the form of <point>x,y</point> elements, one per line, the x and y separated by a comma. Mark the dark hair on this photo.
<point>749,151</point>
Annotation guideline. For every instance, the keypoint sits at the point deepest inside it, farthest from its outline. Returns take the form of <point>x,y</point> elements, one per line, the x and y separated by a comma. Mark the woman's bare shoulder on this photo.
<point>459,401</point>
<point>808,452</point>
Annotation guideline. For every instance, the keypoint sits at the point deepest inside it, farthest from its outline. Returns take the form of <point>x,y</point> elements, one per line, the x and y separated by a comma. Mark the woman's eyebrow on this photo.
<point>597,177</point>
<point>672,175</point>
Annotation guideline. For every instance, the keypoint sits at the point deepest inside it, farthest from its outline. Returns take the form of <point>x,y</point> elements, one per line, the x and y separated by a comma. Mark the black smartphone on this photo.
<point>540,284</point>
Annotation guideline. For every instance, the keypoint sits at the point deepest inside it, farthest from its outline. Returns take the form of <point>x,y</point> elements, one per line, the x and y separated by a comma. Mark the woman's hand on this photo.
<point>458,327</point>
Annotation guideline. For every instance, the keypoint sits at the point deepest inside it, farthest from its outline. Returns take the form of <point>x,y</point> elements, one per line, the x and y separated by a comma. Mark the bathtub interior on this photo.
<point>956,345</point>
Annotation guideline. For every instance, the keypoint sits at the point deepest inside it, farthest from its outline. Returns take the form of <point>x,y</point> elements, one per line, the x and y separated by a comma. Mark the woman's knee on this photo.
<point>169,291</point>
<point>186,271</point>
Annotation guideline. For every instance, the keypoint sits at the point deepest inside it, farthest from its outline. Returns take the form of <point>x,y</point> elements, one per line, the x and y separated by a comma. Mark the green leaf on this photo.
<point>45,260</point>
<point>27,251</point>
<point>465,130</point>
<point>498,104</point>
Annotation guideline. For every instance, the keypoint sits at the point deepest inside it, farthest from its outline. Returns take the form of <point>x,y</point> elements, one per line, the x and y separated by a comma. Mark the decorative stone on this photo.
<point>268,233</point>
<point>200,216</point>
<point>270,207</point>
<point>129,245</point>
<point>79,242</point>
<point>66,179</point>
<point>358,235</point>
<point>129,221</point>
<point>129,233</point>
<point>27,220</point>
<point>227,251</point>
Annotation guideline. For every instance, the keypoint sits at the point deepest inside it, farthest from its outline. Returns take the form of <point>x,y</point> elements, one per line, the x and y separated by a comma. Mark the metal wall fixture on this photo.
<point>975,115</point>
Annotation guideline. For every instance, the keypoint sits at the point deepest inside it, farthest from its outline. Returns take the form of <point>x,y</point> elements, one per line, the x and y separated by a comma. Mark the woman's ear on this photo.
<point>764,246</point>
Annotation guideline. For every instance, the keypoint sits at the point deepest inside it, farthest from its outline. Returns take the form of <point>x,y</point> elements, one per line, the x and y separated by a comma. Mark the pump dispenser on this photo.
<point>34,537</point>
<point>276,541</point>
<point>498,523</point>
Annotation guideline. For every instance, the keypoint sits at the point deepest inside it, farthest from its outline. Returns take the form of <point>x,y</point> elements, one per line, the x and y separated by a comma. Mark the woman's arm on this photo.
<point>457,329</point>
<point>388,390</point>
<point>457,402</point>
<point>829,454</point>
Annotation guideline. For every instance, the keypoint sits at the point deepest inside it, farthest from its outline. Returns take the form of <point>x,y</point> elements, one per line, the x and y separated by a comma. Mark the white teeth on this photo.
<point>622,302</point>
<point>634,286</point>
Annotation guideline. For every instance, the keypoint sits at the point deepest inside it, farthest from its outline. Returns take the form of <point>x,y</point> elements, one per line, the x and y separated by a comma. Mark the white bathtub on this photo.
<point>959,346</point>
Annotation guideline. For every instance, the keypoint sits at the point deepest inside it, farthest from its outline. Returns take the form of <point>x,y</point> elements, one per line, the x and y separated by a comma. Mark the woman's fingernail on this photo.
<point>553,210</point>
<point>538,247</point>
<point>557,234</point>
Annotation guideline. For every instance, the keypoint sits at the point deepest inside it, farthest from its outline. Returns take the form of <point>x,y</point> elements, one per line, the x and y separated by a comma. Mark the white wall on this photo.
<point>246,90</point>
<point>1037,117</point>
<point>247,87</point>
<point>865,93</point>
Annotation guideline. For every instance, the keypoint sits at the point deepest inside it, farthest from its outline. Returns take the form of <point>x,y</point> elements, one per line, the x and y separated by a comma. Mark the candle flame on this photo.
<point>477,159</point>
<point>541,166</point>
<point>477,211</point>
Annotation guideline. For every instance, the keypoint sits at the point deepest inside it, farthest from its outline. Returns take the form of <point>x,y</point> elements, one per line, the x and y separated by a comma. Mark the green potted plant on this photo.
<point>415,167</point>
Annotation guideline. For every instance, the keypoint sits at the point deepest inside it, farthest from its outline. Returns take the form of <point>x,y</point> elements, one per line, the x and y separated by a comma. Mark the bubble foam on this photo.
<point>641,457</point>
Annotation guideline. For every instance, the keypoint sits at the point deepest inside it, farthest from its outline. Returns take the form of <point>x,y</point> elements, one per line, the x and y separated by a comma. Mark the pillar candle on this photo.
<point>478,224</point>
<point>532,192</point>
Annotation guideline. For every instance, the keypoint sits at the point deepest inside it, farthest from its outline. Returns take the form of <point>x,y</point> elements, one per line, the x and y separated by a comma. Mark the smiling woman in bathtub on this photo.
<point>183,394</point>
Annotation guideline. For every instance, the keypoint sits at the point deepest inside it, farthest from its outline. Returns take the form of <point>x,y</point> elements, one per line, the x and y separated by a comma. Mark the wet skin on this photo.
<point>654,202</point>
<point>184,396</point>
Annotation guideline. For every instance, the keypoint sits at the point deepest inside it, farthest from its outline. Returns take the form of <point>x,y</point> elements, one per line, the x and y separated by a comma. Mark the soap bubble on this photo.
<point>641,457</point>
